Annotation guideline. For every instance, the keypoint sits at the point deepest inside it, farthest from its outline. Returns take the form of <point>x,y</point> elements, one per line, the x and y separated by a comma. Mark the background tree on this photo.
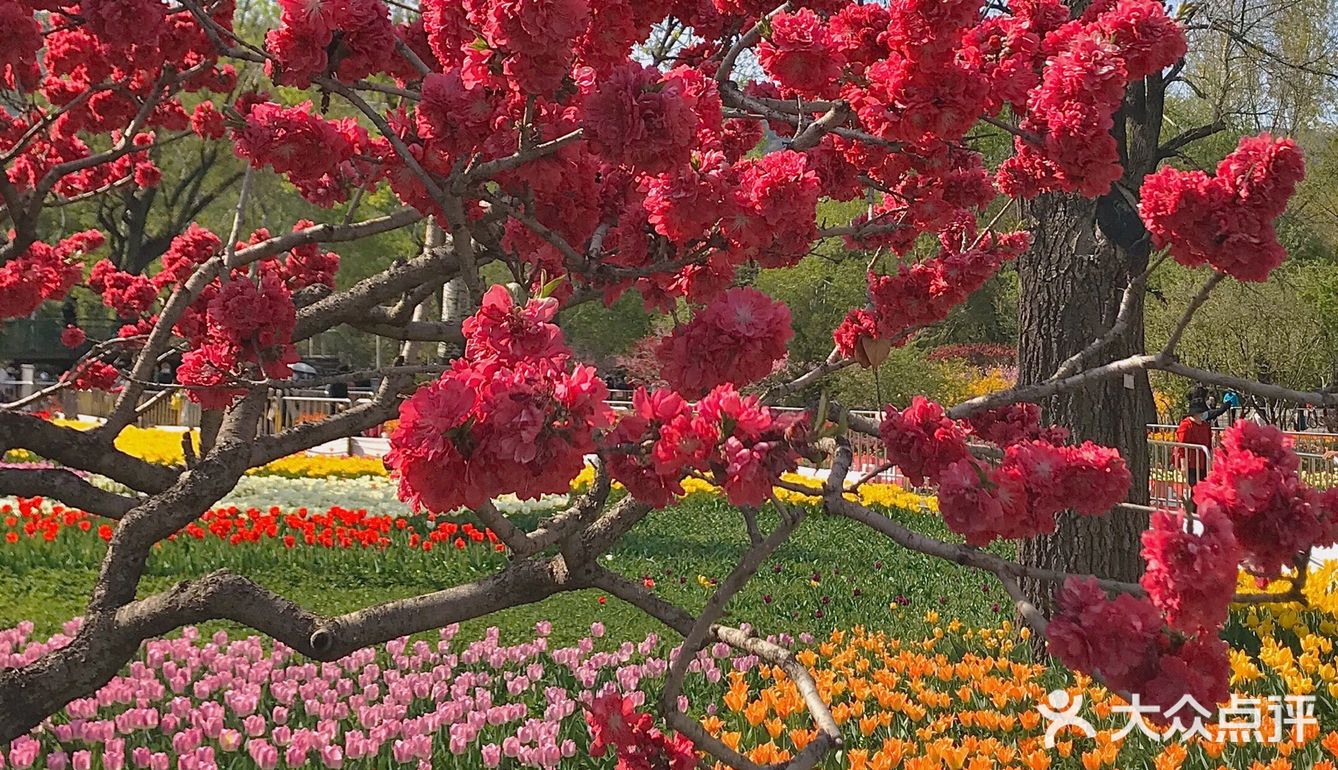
<point>1261,65</point>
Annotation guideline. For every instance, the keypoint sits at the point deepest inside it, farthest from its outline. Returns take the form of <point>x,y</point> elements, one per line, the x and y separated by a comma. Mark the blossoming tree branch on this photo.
<point>556,138</point>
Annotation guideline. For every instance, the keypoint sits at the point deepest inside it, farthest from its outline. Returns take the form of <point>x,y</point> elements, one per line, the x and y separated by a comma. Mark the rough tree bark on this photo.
<point>1071,282</point>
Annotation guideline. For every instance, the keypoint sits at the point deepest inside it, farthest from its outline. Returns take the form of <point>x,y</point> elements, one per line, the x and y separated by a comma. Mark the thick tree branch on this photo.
<point>67,487</point>
<point>83,451</point>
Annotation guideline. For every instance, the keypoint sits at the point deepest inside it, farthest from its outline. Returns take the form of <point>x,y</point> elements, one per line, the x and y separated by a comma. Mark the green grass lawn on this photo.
<point>832,574</point>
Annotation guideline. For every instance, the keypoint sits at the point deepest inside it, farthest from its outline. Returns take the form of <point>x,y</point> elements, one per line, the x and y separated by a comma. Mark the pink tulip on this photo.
<point>23,752</point>
<point>140,756</point>
<point>332,757</point>
<point>57,760</point>
<point>229,740</point>
<point>159,761</point>
<point>254,725</point>
<point>263,754</point>
<point>492,755</point>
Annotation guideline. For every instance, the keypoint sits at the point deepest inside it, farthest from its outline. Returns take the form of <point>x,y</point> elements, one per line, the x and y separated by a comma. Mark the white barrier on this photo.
<point>1174,468</point>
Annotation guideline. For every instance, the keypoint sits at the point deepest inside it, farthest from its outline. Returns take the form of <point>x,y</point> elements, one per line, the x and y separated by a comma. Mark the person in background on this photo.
<point>1198,393</point>
<point>338,390</point>
<point>1231,400</point>
<point>1195,429</point>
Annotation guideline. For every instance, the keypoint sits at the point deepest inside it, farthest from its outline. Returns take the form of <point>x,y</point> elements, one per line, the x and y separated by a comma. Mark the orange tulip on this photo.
<point>893,750</point>
<point>882,761</point>
<point>774,727</point>
<point>1037,760</point>
<point>768,754</point>
<point>955,757</point>
<point>1171,758</point>
<point>713,724</point>
<point>867,724</point>
<point>859,759</point>
<point>755,712</point>
<point>801,738</point>
<point>1330,743</point>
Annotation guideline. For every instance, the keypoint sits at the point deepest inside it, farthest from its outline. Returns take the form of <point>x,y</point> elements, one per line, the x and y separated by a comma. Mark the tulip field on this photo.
<point>920,660</point>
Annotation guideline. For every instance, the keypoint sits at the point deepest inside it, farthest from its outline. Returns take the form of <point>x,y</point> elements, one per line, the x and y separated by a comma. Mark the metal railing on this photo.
<point>1174,468</point>
<point>1317,471</point>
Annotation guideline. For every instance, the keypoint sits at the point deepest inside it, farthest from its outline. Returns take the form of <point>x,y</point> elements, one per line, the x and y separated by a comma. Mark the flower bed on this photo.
<point>337,527</point>
<point>199,702</point>
<point>966,700</point>
<point>962,699</point>
<point>376,494</point>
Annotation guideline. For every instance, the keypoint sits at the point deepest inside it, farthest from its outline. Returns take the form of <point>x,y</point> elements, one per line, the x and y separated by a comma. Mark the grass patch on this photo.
<point>832,574</point>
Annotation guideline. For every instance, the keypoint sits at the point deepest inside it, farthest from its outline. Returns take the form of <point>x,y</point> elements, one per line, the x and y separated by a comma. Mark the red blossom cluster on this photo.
<point>743,445</point>
<point>43,272</point>
<point>512,333</point>
<point>925,292</point>
<point>773,213</point>
<point>1125,641</point>
<point>1067,119</point>
<point>1191,575</point>
<point>349,39</point>
<point>922,440</point>
<point>235,326</point>
<point>615,723</point>
<point>511,416</point>
<point>1014,423</point>
<point>1226,220</point>
<point>72,336</point>
<point>800,53</point>
<point>1254,483</point>
<point>1019,496</point>
<point>920,91</point>
<point>129,294</point>
<point>737,339</point>
<point>322,158</point>
<point>92,375</point>
<point>309,264</point>
<point>641,117</point>
<point>1251,508</point>
<point>187,251</point>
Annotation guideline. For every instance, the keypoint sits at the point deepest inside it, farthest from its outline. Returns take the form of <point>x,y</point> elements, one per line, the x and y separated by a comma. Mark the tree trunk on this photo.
<point>1071,281</point>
